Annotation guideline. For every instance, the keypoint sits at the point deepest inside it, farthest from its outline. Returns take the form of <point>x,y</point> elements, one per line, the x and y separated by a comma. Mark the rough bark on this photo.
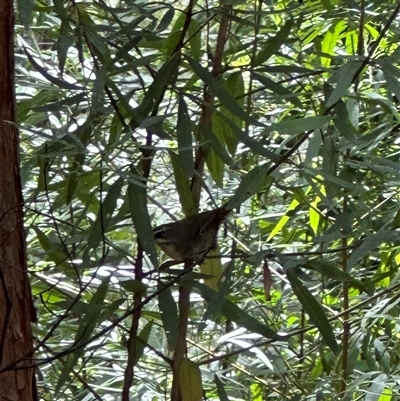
<point>17,381</point>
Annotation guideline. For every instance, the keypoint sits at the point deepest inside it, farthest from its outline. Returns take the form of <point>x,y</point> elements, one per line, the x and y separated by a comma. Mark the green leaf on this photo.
<point>182,185</point>
<point>100,226</point>
<point>377,389</point>
<point>314,146</point>
<point>169,314</point>
<point>137,195</point>
<point>54,254</point>
<point>313,309</point>
<point>223,95</point>
<point>91,30</point>
<point>328,45</point>
<point>216,167</point>
<point>343,124</point>
<point>334,180</point>
<point>249,185</point>
<point>59,105</point>
<point>222,395</point>
<point>213,143</point>
<point>392,82</point>
<point>235,313</point>
<point>98,101</point>
<point>278,89</point>
<point>334,273</point>
<point>64,42</point>
<point>254,144</point>
<point>194,33</point>
<point>185,140</point>
<point>344,78</point>
<point>190,381</point>
<point>236,87</point>
<point>25,8</point>
<point>212,267</point>
<point>139,344</point>
<point>41,99</point>
<point>166,20</point>
<point>370,244</point>
<point>166,75</point>
<point>134,286</point>
<point>274,44</point>
<point>85,330</point>
<point>53,80</point>
<point>300,125</point>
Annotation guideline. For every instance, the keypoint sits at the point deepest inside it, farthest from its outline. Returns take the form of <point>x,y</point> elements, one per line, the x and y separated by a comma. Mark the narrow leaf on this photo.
<point>185,140</point>
<point>369,245</point>
<point>100,226</point>
<point>233,312</point>
<point>274,44</point>
<point>53,80</point>
<point>182,185</point>
<point>313,309</point>
<point>222,394</point>
<point>141,220</point>
<point>223,95</point>
<point>25,8</point>
<point>300,125</point>
<point>279,89</point>
<point>140,343</point>
<point>167,74</point>
<point>344,78</point>
<point>169,314</point>
<point>249,185</point>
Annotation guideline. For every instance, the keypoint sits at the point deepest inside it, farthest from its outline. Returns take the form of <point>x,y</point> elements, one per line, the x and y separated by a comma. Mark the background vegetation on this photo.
<point>293,108</point>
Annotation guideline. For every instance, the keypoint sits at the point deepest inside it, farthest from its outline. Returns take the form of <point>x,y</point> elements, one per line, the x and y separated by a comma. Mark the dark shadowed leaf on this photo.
<point>344,78</point>
<point>223,95</point>
<point>141,220</point>
<point>274,44</point>
<point>100,226</point>
<point>313,309</point>
<point>185,141</point>
<point>234,313</point>
<point>169,314</point>
<point>370,244</point>
<point>249,184</point>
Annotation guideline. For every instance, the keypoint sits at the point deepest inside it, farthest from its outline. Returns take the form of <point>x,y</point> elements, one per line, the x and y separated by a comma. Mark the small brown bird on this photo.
<point>190,239</point>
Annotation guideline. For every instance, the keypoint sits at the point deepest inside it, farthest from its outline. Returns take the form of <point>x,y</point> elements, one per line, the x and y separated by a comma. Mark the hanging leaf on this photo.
<point>182,185</point>
<point>100,226</point>
<point>141,220</point>
<point>236,314</point>
<point>190,381</point>
<point>169,314</point>
<point>344,78</point>
<point>313,309</point>
<point>249,184</point>
<point>274,44</point>
<point>212,267</point>
<point>185,140</point>
<point>223,95</point>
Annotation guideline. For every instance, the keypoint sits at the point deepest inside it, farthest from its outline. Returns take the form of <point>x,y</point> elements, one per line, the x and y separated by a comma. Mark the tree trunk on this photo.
<point>17,380</point>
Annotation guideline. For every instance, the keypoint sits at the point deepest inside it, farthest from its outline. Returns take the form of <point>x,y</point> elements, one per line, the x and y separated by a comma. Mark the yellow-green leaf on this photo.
<point>190,381</point>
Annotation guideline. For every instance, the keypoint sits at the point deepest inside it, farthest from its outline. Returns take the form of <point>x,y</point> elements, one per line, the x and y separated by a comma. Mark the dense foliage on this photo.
<point>292,108</point>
